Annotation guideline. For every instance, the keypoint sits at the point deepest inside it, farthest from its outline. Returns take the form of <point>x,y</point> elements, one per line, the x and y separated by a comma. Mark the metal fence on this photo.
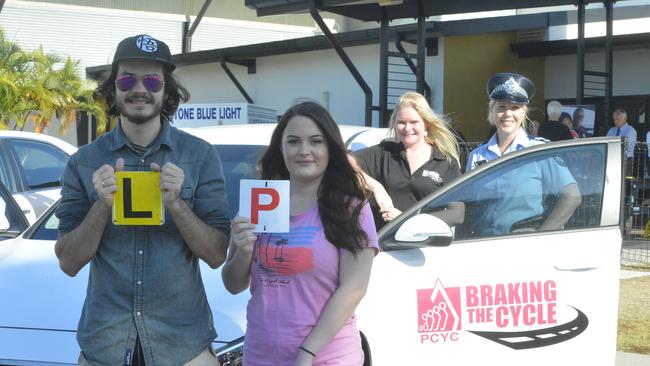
<point>636,228</point>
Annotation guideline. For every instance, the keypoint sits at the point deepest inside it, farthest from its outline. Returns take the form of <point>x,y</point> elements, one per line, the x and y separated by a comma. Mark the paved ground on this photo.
<point>631,274</point>
<point>632,359</point>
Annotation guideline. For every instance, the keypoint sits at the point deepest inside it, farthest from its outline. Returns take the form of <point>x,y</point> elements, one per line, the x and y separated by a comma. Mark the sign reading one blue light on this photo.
<point>211,114</point>
<point>208,113</point>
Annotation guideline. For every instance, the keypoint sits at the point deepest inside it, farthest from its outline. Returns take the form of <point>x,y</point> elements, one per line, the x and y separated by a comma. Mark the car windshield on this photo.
<point>239,162</point>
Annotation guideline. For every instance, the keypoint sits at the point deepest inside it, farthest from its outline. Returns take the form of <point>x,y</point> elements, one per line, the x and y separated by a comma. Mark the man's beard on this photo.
<point>138,118</point>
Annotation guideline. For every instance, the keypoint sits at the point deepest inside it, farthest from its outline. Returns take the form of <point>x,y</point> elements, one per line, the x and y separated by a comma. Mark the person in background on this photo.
<point>510,95</point>
<point>145,302</point>
<point>566,120</point>
<point>423,157</point>
<point>533,127</point>
<point>306,284</point>
<point>628,133</point>
<point>578,120</point>
<point>552,129</point>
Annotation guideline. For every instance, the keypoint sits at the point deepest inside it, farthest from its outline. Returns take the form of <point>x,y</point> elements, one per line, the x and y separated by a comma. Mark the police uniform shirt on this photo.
<point>629,134</point>
<point>490,150</point>
<point>387,164</point>
<point>517,194</point>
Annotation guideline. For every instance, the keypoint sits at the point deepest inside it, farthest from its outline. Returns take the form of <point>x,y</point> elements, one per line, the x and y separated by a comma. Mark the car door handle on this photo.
<point>576,267</point>
<point>26,211</point>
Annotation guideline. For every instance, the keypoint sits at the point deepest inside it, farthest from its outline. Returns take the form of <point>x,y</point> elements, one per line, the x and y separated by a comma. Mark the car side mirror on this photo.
<point>424,230</point>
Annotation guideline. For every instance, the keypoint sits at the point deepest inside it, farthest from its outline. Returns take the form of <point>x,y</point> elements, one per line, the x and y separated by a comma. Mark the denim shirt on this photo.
<point>144,281</point>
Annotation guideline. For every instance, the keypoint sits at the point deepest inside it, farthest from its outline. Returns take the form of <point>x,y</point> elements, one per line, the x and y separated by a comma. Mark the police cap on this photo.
<point>511,87</point>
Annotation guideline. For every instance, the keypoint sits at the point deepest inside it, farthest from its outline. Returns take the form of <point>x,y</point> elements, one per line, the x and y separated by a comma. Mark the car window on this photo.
<point>48,229</point>
<point>42,164</point>
<point>239,162</point>
<point>519,195</point>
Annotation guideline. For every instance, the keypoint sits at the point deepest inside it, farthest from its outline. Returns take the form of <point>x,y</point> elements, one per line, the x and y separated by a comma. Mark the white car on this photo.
<point>436,295</point>
<point>31,166</point>
<point>38,324</point>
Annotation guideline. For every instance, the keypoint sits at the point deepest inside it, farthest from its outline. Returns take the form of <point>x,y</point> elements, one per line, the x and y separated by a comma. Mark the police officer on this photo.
<point>509,97</point>
<point>515,198</point>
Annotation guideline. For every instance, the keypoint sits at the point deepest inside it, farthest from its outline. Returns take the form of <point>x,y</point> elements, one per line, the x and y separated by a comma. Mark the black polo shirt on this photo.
<point>387,164</point>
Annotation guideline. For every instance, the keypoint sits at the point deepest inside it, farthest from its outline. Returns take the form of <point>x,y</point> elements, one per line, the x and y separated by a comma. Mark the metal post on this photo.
<point>188,36</point>
<point>346,60</point>
<point>383,71</point>
<point>580,53</point>
<point>186,44</point>
<point>232,77</point>
<point>609,59</point>
<point>421,49</point>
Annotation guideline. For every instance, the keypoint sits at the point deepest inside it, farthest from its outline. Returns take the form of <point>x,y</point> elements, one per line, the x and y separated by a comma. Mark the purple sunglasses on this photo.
<point>152,83</point>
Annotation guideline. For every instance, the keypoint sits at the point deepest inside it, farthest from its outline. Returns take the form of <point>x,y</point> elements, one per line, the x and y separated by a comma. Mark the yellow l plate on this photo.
<point>138,200</point>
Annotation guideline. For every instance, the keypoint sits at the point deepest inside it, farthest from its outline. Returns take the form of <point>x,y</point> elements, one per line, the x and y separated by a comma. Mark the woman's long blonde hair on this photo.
<point>438,134</point>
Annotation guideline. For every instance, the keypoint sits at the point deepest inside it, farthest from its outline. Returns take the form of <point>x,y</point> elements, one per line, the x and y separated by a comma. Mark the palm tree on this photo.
<point>36,87</point>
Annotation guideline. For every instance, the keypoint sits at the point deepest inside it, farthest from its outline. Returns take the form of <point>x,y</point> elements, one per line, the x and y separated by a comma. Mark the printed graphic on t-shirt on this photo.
<point>287,254</point>
<point>433,175</point>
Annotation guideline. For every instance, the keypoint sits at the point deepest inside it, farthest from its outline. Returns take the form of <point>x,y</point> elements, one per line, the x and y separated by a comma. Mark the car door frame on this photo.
<point>19,222</point>
<point>12,170</point>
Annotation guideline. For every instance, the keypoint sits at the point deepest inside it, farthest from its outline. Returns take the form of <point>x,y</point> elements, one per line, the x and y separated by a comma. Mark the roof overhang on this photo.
<point>244,55</point>
<point>370,10</point>
<point>569,46</point>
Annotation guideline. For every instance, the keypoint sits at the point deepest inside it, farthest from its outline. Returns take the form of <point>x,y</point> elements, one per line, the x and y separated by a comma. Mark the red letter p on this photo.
<point>255,202</point>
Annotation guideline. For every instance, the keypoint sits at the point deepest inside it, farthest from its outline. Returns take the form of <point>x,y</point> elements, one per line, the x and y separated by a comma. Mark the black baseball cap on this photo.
<point>511,87</point>
<point>143,47</point>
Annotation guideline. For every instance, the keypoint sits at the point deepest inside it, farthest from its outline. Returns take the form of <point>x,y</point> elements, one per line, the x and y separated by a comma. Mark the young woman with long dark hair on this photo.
<point>306,284</point>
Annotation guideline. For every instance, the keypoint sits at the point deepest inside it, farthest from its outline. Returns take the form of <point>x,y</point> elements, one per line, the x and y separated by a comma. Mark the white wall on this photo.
<point>91,34</point>
<point>279,80</point>
<point>630,73</point>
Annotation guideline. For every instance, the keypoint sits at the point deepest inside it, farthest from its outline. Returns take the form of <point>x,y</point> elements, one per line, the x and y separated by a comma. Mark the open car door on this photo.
<point>498,287</point>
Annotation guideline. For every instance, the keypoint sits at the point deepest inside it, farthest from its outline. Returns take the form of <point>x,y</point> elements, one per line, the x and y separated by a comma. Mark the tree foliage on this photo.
<point>36,88</point>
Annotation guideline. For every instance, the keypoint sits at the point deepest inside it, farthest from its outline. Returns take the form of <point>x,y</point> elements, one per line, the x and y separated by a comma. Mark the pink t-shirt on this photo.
<point>293,276</point>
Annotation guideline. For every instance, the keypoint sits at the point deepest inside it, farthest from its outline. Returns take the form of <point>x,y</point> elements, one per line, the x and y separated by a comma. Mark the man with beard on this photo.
<point>145,302</point>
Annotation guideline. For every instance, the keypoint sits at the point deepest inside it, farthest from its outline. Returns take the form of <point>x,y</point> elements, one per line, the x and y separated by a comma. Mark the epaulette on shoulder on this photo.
<point>537,138</point>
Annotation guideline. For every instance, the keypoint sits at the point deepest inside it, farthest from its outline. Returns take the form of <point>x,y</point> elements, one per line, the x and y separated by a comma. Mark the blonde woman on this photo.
<point>422,157</point>
<point>509,96</point>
